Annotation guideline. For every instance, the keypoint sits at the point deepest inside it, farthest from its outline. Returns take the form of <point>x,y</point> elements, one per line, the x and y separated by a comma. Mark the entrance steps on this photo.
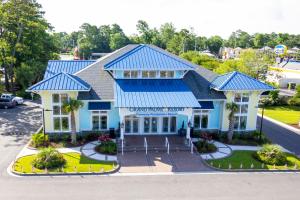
<point>154,144</point>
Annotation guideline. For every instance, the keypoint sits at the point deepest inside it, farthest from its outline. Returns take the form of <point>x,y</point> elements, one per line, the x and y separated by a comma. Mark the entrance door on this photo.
<point>146,124</point>
<point>131,125</point>
<point>154,124</point>
<point>169,124</point>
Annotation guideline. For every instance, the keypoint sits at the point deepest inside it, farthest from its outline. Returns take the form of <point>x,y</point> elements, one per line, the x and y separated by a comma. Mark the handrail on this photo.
<point>192,146</point>
<point>167,145</point>
<point>146,145</point>
<point>122,144</point>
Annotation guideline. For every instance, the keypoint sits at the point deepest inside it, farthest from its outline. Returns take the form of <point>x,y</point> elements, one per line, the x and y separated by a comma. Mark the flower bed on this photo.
<point>106,146</point>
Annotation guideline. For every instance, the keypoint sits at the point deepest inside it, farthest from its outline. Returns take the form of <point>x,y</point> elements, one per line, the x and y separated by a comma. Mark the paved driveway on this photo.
<point>182,161</point>
<point>23,119</point>
<point>280,135</point>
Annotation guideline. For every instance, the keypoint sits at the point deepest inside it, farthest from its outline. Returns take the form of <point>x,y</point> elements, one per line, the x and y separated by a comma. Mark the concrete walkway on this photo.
<point>28,151</point>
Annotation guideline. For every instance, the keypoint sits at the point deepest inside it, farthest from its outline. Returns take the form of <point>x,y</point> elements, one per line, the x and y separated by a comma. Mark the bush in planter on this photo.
<point>108,147</point>
<point>205,147</point>
<point>39,140</point>
<point>48,158</point>
<point>271,154</point>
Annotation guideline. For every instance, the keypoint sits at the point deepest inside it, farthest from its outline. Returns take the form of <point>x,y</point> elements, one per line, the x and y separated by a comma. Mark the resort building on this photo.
<point>145,90</point>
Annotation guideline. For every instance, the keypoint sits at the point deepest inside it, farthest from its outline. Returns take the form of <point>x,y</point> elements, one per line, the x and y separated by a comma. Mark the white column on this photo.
<point>189,122</point>
<point>122,123</point>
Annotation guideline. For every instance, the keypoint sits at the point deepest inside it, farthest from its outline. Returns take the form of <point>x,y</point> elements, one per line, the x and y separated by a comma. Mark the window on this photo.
<point>166,74</point>
<point>130,74</point>
<point>126,74</point>
<point>61,118</point>
<point>152,74</point>
<point>99,120</point>
<point>148,74</point>
<point>201,119</point>
<point>170,74</point>
<point>240,119</point>
<point>134,74</point>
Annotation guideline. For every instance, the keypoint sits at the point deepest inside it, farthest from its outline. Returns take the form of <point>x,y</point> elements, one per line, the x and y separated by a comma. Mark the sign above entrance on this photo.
<point>156,111</point>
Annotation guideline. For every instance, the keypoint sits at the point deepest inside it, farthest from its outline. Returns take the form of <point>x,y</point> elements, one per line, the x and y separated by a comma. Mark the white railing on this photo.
<point>122,144</point>
<point>167,145</point>
<point>146,145</point>
<point>191,145</point>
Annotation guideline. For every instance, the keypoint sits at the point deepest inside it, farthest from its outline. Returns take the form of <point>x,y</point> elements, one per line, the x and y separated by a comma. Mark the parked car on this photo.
<point>10,101</point>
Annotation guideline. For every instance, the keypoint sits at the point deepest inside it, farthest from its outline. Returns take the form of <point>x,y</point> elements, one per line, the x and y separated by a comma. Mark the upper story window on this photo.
<point>166,74</point>
<point>130,74</point>
<point>149,74</point>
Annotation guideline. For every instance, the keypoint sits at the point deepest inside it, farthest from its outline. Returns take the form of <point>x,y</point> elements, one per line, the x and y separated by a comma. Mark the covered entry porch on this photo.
<point>154,106</point>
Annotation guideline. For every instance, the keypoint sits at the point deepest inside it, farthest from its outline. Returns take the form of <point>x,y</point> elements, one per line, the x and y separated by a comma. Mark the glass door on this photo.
<point>146,124</point>
<point>165,124</point>
<point>135,125</point>
<point>173,124</point>
<point>127,125</point>
<point>154,124</point>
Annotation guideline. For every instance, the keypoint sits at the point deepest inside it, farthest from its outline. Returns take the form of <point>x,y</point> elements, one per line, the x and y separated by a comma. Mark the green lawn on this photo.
<point>82,163</point>
<point>286,114</point>
<point>246,158</point>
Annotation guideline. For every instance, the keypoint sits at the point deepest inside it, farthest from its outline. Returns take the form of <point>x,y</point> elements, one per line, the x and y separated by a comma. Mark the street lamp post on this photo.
<point>261,122</point>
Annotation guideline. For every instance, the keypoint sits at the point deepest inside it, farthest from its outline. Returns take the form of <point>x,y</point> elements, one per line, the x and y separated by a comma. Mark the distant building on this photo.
<point>286,74</point>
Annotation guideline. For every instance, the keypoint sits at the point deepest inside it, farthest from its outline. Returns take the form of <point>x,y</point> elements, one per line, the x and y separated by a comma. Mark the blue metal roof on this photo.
<point>68,66</point>
<point>238,81</point>
<point>61,81</point>
<point>147,57</point>
<point>99,106</point>
<point>206,105</point>
<point>153,93</point>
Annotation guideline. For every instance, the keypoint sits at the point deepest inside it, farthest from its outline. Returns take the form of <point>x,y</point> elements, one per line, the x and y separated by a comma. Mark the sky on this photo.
<point>206,17</point>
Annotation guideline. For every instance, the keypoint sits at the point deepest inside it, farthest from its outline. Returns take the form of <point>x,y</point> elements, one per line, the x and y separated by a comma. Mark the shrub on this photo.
<point>108,147</point>
<point>48,158</point>
<point>271,154</point>
<point>104,138</point>
<point>205,147</point>
<point>91,136</point>
<point>39,140</point>
<point>294,101</point>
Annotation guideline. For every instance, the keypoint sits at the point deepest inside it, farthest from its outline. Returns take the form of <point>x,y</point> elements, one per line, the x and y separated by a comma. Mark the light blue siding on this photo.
<point>85,117</point>
<point>181,119</point>
<point>214,116</point>
<point>119,74</point>
<point>179,74</point>
<point>114,118</point>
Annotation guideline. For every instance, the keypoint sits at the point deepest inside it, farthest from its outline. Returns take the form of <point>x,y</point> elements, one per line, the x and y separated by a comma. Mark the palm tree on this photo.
<point>233,108</point>
<point>71,106</point>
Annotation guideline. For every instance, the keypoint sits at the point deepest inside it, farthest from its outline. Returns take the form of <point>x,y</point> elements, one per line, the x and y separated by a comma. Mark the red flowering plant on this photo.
<point>104,138</point>
<point>206,137</point>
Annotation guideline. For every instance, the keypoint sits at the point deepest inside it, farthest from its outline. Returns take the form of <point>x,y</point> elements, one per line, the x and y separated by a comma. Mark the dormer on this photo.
<point>148,62</point>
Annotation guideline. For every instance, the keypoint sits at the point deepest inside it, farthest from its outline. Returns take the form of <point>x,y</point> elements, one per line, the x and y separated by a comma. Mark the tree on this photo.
<point>71,106</point>
<point>201,59</point>
<point>214,44</point>
<point>233,108</point>
<point>25,38</point>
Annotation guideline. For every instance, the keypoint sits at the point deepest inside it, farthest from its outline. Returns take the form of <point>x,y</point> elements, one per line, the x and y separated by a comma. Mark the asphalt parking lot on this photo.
<point>21,120</point>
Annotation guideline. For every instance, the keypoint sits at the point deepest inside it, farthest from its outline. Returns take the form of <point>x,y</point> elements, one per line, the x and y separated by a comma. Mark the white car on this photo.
<point>18,100</point>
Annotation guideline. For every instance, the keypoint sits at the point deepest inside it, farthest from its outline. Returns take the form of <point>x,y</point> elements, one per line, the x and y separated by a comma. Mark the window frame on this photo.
<point>60,115</point>
<point>200,114</point>
<point>99,114</point>
<point>240,115</point>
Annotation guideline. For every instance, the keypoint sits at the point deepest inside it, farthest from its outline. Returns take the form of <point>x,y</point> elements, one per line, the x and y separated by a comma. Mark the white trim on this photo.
<point>60,115</point>
<point>99,115</point>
